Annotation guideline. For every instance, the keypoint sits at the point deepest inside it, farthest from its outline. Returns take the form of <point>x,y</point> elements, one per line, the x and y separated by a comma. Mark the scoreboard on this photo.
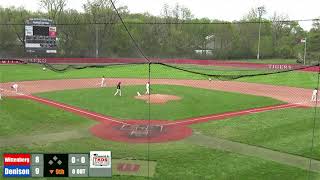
<point>93,164</point>
<point>40,36</point>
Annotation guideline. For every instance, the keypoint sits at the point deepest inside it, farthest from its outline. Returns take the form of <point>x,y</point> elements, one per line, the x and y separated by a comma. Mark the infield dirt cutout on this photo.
<point>158,98</point>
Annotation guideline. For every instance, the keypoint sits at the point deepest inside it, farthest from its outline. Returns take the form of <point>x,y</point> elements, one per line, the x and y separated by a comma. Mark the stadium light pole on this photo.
<point>305,51</point>
<point>97,43</point>
<point>95,14</point>
<point>261,10</point>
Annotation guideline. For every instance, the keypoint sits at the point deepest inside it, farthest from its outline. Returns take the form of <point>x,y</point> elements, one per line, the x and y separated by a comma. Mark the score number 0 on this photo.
<point>83,160</point>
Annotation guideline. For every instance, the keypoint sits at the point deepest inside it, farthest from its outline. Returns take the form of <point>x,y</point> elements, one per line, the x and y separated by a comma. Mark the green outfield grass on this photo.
<point>10,73</point>
<point>294,79</point>
<point>287,130</point>
<point>179,160</point>
<point>25,117</point>
<point>35,72</point>
<point>195,102</point>
<point>223,70</point>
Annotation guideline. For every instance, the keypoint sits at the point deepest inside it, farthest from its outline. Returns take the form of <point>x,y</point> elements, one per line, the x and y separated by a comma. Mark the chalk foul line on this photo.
<point>182,122</point>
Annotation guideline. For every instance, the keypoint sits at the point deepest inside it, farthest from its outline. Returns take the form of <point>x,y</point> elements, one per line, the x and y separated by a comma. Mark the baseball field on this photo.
<point>191,126</point>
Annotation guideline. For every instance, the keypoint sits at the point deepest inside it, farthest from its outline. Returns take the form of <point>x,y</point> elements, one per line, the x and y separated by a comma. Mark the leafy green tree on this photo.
<point>313,42</point>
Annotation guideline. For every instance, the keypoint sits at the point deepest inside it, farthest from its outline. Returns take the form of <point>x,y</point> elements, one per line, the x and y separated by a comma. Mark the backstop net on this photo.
<point>172,96</point>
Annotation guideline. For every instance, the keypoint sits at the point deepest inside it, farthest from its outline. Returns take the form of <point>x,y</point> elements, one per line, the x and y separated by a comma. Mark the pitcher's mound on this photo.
<point>158,98</point>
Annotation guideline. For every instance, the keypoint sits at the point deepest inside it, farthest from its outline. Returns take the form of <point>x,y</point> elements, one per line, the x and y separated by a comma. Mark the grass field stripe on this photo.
<point>234,113</point>
<point>74,109</point>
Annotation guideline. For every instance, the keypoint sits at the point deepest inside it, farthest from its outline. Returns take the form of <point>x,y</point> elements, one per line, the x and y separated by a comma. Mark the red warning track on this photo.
<point>147,131</point>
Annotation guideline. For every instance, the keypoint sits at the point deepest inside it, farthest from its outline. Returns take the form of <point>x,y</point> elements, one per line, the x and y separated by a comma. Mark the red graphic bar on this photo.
<point>16,159</point>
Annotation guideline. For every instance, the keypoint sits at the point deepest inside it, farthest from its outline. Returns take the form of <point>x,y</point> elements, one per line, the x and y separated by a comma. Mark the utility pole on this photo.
<point>97,42</point>
<point>95,16</point>
<point>261,10</point>
<point>305,51</point>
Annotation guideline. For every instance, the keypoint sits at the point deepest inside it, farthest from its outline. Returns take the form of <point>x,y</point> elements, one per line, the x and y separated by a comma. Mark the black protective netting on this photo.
<point>226,100</point>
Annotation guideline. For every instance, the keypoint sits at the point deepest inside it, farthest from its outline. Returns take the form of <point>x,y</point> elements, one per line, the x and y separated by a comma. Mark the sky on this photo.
<point>214,9</point>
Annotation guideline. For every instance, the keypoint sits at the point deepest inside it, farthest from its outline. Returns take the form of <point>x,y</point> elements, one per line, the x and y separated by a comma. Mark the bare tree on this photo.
<point>278,25</point>
<point>102,11</point>
<point>53,7</point>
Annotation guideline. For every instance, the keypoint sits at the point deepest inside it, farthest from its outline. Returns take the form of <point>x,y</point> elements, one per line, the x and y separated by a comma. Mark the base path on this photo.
<point>290,95</point>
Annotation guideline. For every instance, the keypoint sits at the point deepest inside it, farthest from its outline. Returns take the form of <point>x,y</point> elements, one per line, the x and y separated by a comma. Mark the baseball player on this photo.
<point>103,82</point>
<point>15,87</point>
<point>314,95</point>
<point>118,89</point>
<point>148,88</point>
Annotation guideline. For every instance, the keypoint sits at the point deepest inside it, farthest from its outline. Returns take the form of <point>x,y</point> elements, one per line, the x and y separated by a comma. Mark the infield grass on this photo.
<point>195,102</point>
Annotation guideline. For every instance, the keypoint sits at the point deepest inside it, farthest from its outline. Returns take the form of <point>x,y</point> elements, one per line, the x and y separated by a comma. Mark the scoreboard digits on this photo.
<point>93,164</point>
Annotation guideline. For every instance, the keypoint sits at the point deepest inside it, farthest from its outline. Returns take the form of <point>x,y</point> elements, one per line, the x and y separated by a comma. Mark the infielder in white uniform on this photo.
<point>314,95</point>
<point>15,87</point>
<point>103,82</point>
<point>148,88</point>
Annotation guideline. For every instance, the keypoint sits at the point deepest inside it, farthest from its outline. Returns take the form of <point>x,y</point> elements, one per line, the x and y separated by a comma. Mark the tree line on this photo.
<point>176,33</point>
